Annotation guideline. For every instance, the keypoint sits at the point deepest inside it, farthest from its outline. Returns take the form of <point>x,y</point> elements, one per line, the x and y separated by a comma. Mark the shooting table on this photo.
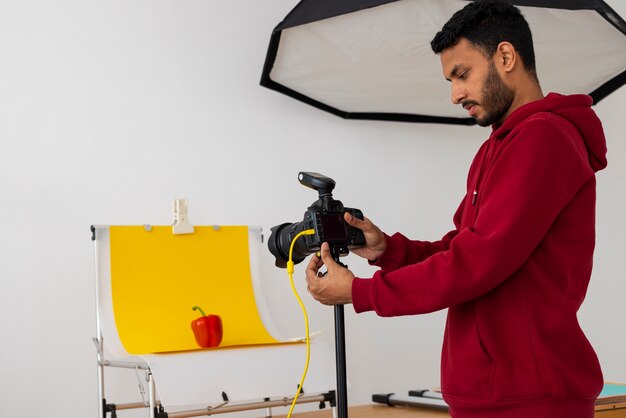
<point>379,411</point>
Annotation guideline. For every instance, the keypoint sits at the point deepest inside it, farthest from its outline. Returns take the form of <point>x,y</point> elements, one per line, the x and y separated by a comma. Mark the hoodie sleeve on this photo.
<point>402,251</point>
<point>538,172</point>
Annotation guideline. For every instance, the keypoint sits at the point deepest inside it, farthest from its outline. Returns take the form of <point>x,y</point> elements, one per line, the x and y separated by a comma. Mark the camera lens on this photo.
<point>280,241</point>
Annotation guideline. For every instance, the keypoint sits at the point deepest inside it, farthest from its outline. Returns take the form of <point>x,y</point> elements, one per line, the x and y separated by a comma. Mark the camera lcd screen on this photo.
<point>334,227</point>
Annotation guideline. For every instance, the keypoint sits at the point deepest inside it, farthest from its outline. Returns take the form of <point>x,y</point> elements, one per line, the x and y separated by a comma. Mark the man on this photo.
<point>514,271</point>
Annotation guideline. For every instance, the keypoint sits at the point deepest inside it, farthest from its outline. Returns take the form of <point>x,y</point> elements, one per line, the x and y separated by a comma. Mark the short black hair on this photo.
<point>486,23</point>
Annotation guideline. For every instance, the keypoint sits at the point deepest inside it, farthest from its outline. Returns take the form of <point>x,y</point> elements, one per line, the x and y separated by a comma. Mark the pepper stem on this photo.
<point>199,309</point>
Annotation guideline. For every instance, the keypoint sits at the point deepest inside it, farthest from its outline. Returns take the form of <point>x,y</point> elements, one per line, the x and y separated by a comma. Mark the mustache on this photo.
<point>467,103</point>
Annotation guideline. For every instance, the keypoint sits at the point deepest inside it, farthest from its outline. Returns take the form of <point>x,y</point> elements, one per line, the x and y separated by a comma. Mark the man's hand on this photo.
<point>335,286</point>
<point>375,242</point>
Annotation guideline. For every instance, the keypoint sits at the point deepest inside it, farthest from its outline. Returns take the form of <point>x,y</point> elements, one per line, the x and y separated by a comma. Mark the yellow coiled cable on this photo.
<point>290,270</point>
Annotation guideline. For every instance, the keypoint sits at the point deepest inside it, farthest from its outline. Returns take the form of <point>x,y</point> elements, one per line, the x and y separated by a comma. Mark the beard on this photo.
<point>497,98</point>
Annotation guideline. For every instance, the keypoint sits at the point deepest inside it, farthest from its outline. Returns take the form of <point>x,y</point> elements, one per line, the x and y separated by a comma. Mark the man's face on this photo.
<point>476,84</point>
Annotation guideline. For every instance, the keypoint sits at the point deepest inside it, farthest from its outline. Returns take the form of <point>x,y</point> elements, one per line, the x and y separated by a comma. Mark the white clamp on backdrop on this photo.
<point>181,223</point>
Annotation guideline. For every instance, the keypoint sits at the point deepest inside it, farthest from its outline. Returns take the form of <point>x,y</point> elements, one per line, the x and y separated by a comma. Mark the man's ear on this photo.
<point>506,56</point>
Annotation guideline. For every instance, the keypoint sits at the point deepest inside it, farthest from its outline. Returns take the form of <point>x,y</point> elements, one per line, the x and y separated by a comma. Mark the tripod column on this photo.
<point>340,352</point>
<point>340,359</point>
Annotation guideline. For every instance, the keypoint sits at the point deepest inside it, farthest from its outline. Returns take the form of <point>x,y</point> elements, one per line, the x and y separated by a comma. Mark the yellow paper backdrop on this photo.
<point>157,277</point>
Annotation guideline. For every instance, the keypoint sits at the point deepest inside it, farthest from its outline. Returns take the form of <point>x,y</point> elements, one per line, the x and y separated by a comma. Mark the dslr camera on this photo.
<point>325,217</point>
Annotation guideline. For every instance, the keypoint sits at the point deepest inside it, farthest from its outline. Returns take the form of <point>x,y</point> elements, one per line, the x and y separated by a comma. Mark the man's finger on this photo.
<point>363,224</point>
<point>314,265</point>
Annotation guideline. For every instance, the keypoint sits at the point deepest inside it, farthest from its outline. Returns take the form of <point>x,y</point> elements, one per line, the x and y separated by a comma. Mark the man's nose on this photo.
<point>458,95</point>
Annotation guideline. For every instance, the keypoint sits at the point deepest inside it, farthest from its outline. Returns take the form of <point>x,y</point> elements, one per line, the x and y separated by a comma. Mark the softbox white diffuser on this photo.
<point>371,59</point>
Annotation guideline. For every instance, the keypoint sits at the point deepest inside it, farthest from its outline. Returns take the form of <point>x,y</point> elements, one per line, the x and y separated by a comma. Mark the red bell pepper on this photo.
<point>207,329</point>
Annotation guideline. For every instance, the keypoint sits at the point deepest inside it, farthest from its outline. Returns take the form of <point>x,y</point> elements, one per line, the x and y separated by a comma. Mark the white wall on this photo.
<point>110,110</point>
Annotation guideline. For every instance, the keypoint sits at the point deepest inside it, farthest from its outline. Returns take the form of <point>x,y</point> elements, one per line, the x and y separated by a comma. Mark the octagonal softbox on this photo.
<point>371,59</point>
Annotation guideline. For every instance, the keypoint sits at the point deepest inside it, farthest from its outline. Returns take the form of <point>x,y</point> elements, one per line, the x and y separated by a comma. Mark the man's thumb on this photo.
<point>325,252</point>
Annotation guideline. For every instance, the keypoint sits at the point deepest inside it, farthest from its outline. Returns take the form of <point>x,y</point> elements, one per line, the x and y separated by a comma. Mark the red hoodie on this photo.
<point>513,272</point>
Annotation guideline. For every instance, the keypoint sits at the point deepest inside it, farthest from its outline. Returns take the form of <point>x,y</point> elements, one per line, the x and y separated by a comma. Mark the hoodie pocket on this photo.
<point>503,320</point>
<point>467,369</point>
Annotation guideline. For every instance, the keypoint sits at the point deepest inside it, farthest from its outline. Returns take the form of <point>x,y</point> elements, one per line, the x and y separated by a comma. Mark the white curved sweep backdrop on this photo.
<point>110,110</point>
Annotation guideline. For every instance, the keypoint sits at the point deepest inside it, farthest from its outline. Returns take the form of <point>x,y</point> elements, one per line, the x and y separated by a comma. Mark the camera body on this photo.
<point>326,217</point>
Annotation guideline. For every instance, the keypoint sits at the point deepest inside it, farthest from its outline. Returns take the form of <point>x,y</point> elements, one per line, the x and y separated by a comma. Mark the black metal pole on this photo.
<point>340,360</point>
<point>340,356</point>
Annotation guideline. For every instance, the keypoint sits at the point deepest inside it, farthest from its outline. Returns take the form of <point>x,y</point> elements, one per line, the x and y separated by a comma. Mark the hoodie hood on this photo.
<point>577,110</point>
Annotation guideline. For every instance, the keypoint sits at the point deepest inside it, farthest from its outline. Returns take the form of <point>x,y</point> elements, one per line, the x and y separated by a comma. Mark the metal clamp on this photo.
<point>181,223</point>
